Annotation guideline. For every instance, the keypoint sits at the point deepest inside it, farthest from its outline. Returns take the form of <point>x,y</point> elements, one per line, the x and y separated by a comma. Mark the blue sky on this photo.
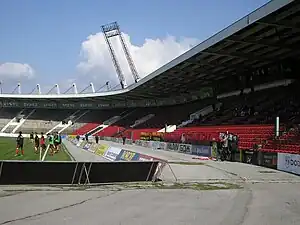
<point>48,35</point>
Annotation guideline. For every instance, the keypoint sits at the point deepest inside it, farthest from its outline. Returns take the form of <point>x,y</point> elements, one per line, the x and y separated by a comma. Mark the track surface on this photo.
<point>82,155</point>
<point>267,197</point>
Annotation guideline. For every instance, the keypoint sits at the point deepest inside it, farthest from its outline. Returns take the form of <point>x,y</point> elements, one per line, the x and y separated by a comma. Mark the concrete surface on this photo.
<point>82,155</point>
<point>267,197</point>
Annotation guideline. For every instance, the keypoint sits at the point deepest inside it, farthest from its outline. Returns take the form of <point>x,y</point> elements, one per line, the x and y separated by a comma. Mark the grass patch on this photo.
<point>175,186</point>
<point>8,150</point>
<point>266,171</point>
<point>188,163</point>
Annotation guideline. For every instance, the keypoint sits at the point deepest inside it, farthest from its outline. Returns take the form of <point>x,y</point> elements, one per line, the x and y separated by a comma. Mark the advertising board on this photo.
<point>201,150</point>
<point>112,153</point>
<point>173,146</point>
<point>87,146</point>
<point>143,157</point>
<point>289,163</point>
<point>185,148</point>
<point>126,155</point>
<point>101,149</point>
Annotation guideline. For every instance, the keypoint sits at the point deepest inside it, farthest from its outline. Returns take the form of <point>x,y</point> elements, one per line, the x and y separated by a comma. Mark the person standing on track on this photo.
<point>42,142</point>
<point>20,144</point>
<point>57,142</point>
<point>31,137</point>
<point>36,143</point>
<point>51,143</point>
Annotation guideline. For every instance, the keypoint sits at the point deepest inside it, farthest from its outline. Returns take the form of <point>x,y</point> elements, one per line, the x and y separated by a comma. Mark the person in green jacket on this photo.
<point>57,142</point>
<point>51,143</point>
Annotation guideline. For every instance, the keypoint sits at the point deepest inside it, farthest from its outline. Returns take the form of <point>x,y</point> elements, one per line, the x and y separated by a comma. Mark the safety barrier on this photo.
<point>280,161</point>
<point>117,154</point>
<point>35,172</point>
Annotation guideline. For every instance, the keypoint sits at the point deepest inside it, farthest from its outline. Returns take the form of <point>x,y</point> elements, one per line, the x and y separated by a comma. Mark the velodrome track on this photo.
<point>266,197</point>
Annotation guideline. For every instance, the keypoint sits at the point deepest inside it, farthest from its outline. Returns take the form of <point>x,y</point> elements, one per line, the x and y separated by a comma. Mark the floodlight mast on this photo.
<point>111,30</point>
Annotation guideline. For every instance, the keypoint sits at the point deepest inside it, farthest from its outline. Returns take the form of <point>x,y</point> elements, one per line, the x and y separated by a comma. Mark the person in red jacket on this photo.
<point>42,142</point>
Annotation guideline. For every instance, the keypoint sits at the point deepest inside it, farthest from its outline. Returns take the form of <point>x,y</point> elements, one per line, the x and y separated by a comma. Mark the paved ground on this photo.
<point>266,197</point>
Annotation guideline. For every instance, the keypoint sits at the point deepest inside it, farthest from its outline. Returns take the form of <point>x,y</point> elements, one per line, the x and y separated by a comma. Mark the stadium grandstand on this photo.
<point>239,80</point>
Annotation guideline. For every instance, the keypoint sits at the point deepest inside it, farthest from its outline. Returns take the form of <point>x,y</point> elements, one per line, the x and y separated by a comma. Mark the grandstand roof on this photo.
<point>265,36</point>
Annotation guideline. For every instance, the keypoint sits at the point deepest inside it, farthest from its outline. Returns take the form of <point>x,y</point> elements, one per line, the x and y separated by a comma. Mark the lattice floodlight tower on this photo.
<point>111,30</point>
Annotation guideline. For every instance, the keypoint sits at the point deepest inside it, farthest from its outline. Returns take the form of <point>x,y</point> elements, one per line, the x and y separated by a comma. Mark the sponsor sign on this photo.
<point>143,157</point>
<point>87,146</point>
<point>173,146</point>
<point>112,153</point>
<point>126,155</point>
<point>185,148</point>
<point>146,144</point>
<point>80,142</point>
<point>201,150</point>
<point>162,145</point>
<point>269,159</point>
<point>289,163</point>
<point>101,149</point>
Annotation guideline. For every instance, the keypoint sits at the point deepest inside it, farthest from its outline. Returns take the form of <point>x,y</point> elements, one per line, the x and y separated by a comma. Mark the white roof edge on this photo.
<point>247,20</point>
<point>258,14</point>
<point>63,96</point>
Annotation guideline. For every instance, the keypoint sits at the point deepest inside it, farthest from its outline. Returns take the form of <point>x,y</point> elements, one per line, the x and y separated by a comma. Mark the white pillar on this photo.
<point>277,126</point>
<point>38,87</point>
<point>57,89</point>
<point>75,88</point>
<point>19,88</point>
<point>93,88</point>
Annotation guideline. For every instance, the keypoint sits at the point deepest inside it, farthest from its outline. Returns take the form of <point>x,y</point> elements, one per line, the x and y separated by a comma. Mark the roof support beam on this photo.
<point>258,42</point>
<point>282,25</point>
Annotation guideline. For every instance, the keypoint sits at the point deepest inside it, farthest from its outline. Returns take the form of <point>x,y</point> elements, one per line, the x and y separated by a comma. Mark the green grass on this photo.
<point>8,150</point>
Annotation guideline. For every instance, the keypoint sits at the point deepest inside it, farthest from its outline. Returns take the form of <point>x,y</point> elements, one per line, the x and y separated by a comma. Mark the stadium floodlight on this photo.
<point>111,30</point>
<point>1,87</point>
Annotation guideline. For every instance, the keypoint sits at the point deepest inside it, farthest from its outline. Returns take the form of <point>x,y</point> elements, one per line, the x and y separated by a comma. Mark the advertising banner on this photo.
<point>201,150</point>
<point>185,148</point>
<point>289,163</point>
<point>173,146</point>
<point>101,149</point>
<point>112,153</point>
<point>146,144</point>
<point>93,147</point>
<point>268,159</point>
<point>143,157</point>
<point>87,146</point>
<point>126,155</point>
<point>162,145</point>
<point>80,143</point>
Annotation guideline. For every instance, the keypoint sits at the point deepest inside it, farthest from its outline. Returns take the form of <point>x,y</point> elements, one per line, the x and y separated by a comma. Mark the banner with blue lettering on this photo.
<point>126,155</point>
<point>201,150</point>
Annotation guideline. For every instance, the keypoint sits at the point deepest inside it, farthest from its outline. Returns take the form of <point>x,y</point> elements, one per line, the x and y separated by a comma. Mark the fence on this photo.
<point>33,172</point>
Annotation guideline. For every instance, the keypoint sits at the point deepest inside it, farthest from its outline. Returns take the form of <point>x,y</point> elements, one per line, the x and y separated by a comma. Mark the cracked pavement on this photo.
<point>267,197</point>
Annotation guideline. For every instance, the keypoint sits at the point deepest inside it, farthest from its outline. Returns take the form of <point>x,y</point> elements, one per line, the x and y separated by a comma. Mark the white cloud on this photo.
<point>16,71</point>
<point>96,64</point>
